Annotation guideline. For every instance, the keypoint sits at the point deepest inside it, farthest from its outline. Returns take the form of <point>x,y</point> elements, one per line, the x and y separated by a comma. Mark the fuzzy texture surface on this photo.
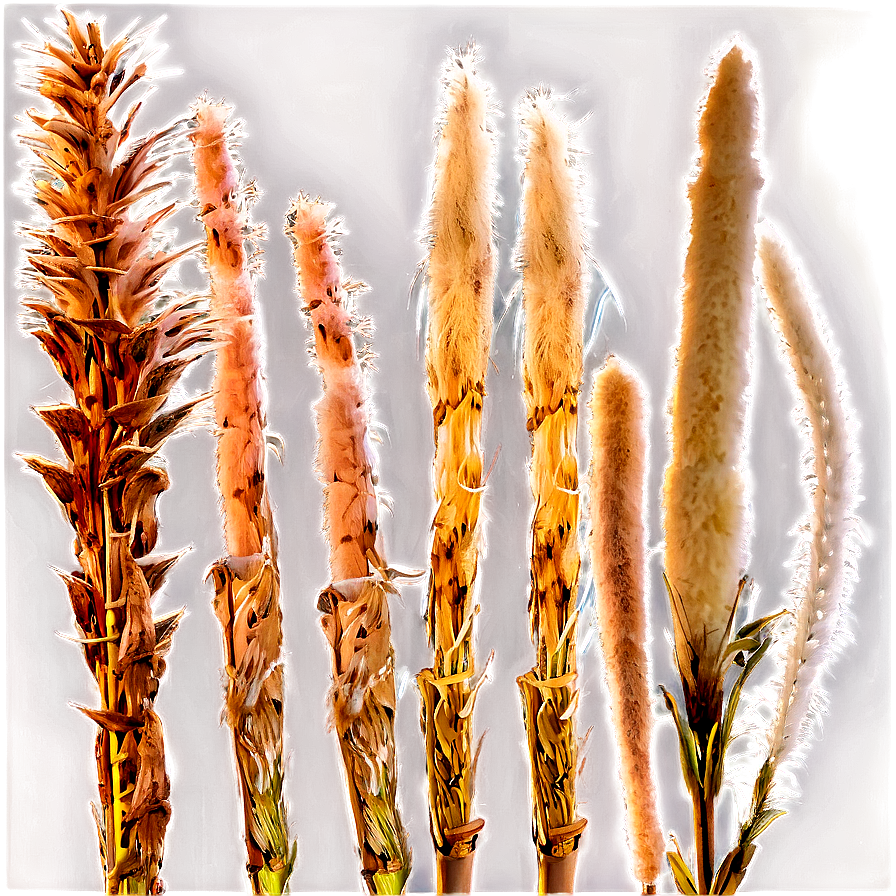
<point>460,280</point>
<point>824,565</point>
<point>97,253</point>
<point>355,605</point>
<point>460,265</point>
<point>239,387</point>
<point>618,563</point>
<point>247,582</point>
<point>551,255</point>
<point>705,516</point>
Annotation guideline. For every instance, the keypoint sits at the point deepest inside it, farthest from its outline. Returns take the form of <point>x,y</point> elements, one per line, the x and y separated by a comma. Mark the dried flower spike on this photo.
<point>705,516</point>
<point>120,344</point>
<point>355,604</point>
<point>247,581</point>
<point>551,255</point>
<point>460,272</point>
<point>618,563</point>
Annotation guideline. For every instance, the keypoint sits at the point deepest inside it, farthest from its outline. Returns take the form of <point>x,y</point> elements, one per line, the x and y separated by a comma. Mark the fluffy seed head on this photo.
<point>705,514</point>
<point>823,576</point>
<point>460,238</point>
<point>551,251</point>
<point>618,562</point>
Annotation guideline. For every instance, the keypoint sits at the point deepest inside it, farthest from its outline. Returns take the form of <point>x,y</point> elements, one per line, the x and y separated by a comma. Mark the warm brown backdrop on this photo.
<point>340,102</point>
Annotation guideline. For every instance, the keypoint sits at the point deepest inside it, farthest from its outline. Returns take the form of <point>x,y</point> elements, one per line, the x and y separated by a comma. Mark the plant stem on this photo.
<point>704,837</point>
<point>557,875</point>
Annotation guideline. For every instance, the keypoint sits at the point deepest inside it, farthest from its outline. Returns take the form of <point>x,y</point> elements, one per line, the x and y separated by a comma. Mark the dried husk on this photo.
<point>120,344</point>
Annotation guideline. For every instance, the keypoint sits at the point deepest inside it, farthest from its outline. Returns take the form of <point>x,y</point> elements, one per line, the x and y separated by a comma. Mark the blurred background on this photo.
<point>341,102</point>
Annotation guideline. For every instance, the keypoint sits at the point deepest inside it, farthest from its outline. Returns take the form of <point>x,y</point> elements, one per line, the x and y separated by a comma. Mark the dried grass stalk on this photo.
<point>619,566</point>
<point>705,514</point>
<point>247,581</point>
<point>120,343</point>
<point>552,259</point>
<point>460,272</point>
<point>355,605</point>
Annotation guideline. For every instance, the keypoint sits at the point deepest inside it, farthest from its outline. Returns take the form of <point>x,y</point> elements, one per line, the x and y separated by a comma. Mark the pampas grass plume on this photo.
<point>551,251</point>
<point>618,562</point>
<point>705,514</point>
<point>461,262</point>
<point>823,574</point>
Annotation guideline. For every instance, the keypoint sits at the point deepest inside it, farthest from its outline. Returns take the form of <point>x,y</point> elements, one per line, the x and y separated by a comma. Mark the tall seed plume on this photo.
<point>823,575</point>
<point>355,605</point>
<point>120,341</point>
<point>618,563</point>
<point>551,255</point>
<point>460,281</point>
<point>247,581</point>
<point>705,515</point>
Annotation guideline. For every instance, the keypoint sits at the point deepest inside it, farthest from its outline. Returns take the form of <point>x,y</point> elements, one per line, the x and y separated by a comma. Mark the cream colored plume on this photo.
<point>823,573</point>
<point>461,262</point>
<point>706,522</point>
<point>551,254</point>
<point>618,563</point>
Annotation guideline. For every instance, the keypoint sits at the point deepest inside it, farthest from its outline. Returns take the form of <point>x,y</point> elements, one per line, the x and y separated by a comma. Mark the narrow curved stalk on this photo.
<point>247,581</point>
<point>120,350</point>
<point>823,567</point>
<point>355,604</point>
<point>460,283</point>
<point>551,256</point>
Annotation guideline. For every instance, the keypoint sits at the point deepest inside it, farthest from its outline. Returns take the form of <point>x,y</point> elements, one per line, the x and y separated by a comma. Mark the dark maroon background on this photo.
<point>295,74</point>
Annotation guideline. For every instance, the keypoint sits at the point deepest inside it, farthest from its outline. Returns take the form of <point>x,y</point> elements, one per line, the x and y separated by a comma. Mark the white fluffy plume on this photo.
<point>824,572</point>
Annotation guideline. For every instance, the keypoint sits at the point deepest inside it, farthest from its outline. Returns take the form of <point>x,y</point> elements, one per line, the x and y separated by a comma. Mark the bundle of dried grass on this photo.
<point>121,344</point>
<point>551,255</point>
<point>460,272</point>
<point>355,604</point>
<point>247,581</point>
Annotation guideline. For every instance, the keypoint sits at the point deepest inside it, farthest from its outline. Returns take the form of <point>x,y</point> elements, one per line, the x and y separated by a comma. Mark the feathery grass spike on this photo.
<point>120,342</point>
<point>247,581</point>
<point>460,280</point>
<point>823,575</point>
<point>618,562</point>
<point>355,604</point>
<point>705,514</point>
<point>551,255</point>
